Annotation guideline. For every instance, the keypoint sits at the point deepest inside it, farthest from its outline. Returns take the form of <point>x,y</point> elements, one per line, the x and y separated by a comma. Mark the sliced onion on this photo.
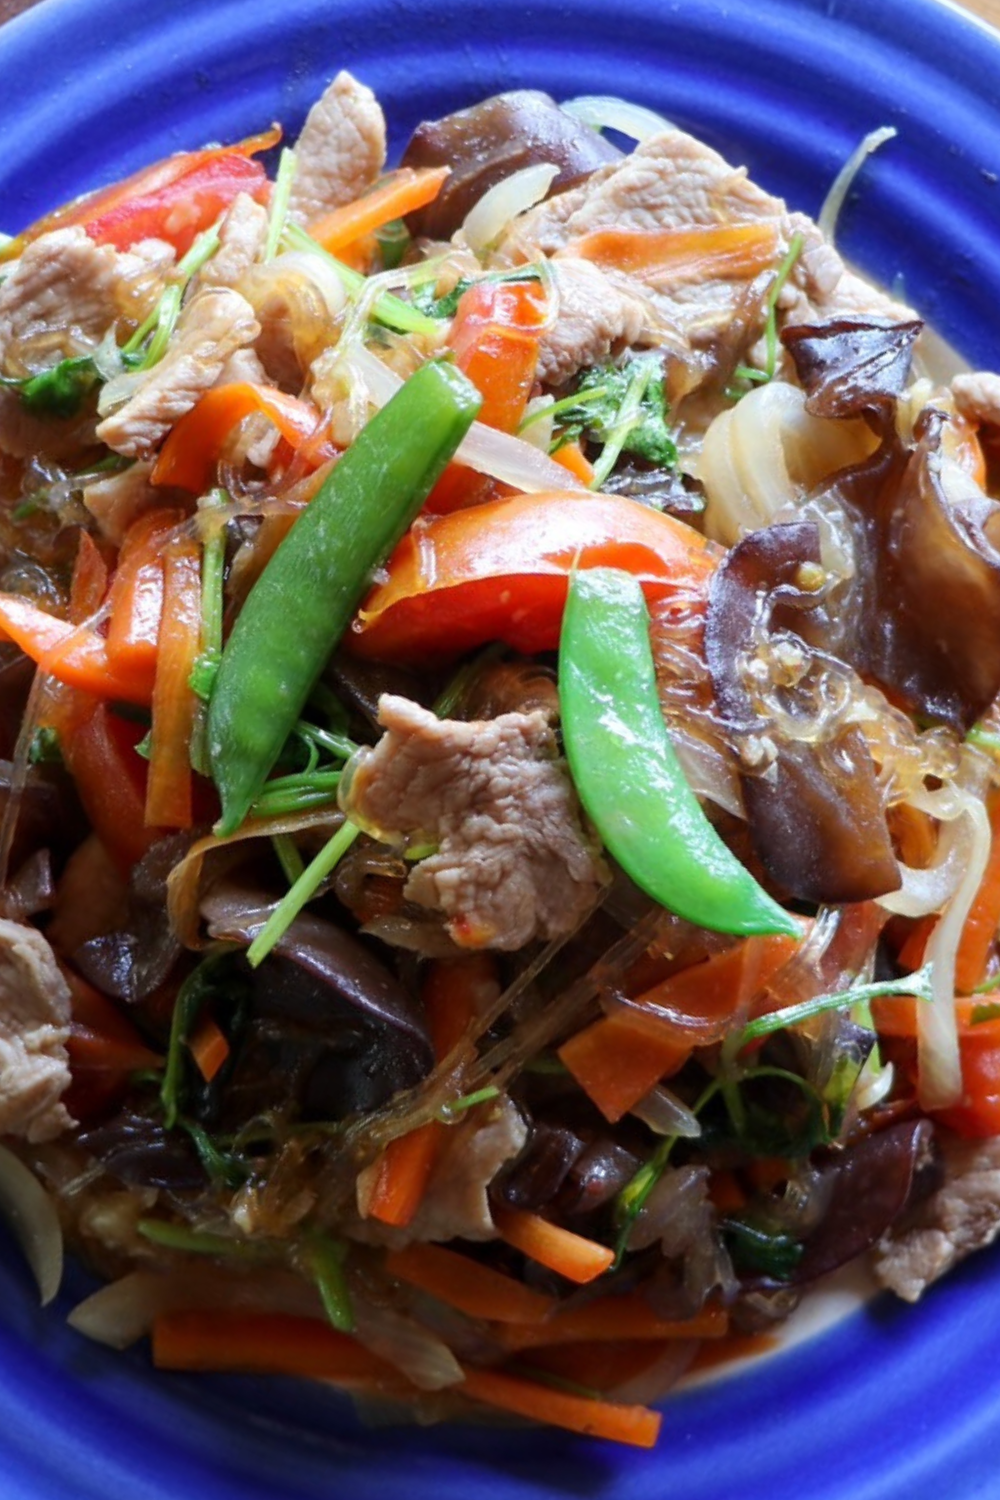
<point>118,390</point>
<point>844,180</point>
<point>419,1355</point>
<point>123,1311</point>
<point>513,461</point>
<point>487,219</point>
<point>498,454</point>
<point>939,1063</point>
<point>315,268</point>
<point>653,1383</point>
<point>665,1114</point>
<point>31,1213</point>
<point>929,890</point>
<point>608,112</point>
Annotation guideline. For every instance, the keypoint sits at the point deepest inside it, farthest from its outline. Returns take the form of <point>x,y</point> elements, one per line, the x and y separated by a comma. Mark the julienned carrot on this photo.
<point>911,954</point>
<point>110,780</point>
<point>135,604</point>
<point>278,1344</point>
<point>209,1047</point>
<point>188,457</point>
<point>168,793</point>
<point>455,990</point>
<point>980,930</point>
<point>398,194</point>
<point>572,458</point>
<point>616,1063</point>
<point>613,1318</point>
<point>635,1425</point>
<point>403,1173</point>
<point>451,993</point>
<point>473,1288</point>
<point>264,1344</point>
<point>73,654</point>
<point>618,1059</point>
<point>89,582</point>
<point>697,252</point>
<point>572,1256</point>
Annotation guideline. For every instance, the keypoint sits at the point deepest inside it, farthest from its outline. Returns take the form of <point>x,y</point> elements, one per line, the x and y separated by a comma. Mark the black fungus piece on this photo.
<point>923,613</point>
<point>874,1182</point>
<point>141,1152</point>
<point>131,963</point>
<point>850,366</point>
<point>814,810</point>
<point>330,1026</point>
<point>492,140</point>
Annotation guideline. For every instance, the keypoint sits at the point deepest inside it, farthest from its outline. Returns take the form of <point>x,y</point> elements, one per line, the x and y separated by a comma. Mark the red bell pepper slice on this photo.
<point>495,337</point>
<point>110,780</point>
<point>173,200</point>
<point>500,571</point>
<point>192,449</point>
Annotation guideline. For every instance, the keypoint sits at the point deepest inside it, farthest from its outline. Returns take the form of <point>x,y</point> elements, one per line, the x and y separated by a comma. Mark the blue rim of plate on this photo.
<point>895,1403</point>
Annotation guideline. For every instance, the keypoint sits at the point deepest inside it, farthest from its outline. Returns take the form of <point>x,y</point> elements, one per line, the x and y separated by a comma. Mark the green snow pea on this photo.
<point>626,770</point>
<point>303,601</point>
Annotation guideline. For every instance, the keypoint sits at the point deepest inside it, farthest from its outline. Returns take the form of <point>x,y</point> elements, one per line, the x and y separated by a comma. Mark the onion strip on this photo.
<point>498,454</point>
<point>29,1210</point>
<point>608,112</point>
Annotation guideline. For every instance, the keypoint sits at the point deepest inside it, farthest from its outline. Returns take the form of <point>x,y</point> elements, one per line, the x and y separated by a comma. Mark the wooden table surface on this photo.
<point>989,10</point>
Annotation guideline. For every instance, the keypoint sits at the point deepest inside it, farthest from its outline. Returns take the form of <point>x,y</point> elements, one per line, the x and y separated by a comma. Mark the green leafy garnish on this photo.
<point>766,1251</point>
<point>455,1107</point>
<point>323,1259</point>
<point>447,306</point>
<point>746,376</point>
<point>302,891</point>
<point>918,985</point>
<point>61,391</point>
<point>980,1014</point>
<point>201,1242</point>
<point>214,979</point>
<point>45,749</point>
<point>624,407</point>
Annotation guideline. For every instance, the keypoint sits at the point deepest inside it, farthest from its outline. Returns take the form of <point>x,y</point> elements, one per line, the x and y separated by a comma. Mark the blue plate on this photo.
<point>896,1403</point>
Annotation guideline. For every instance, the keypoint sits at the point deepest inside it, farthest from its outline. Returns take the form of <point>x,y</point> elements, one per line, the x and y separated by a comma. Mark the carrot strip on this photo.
<point>572,1256</point>
<point>403,1173</point>
<point>616,1063</point>
<point>188,457</point>
<point>573,458</point>
<point>90,580</point>
<point>473,1288</point>
<point>263,1344</point>
<point>73,654</point>
<point>452,993</point>
<point>980,930</point>
<point>110,780</point>
<point>618,1059</point>
<point>398,194</point>
<point>635,1425</point>
<point>611,1318</point>
<point>136,599</point>
<point>209,1047</point>
<point>168,793</point>
<point>911,954</point>
<point>697,253</point>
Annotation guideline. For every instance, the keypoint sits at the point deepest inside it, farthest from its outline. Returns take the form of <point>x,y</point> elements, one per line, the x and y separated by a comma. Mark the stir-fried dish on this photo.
<point>501,763</point>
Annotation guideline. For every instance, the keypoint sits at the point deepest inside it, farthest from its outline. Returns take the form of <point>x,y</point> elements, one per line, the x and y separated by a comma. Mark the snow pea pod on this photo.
<point>303,601</point>
<point>626,770</point>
